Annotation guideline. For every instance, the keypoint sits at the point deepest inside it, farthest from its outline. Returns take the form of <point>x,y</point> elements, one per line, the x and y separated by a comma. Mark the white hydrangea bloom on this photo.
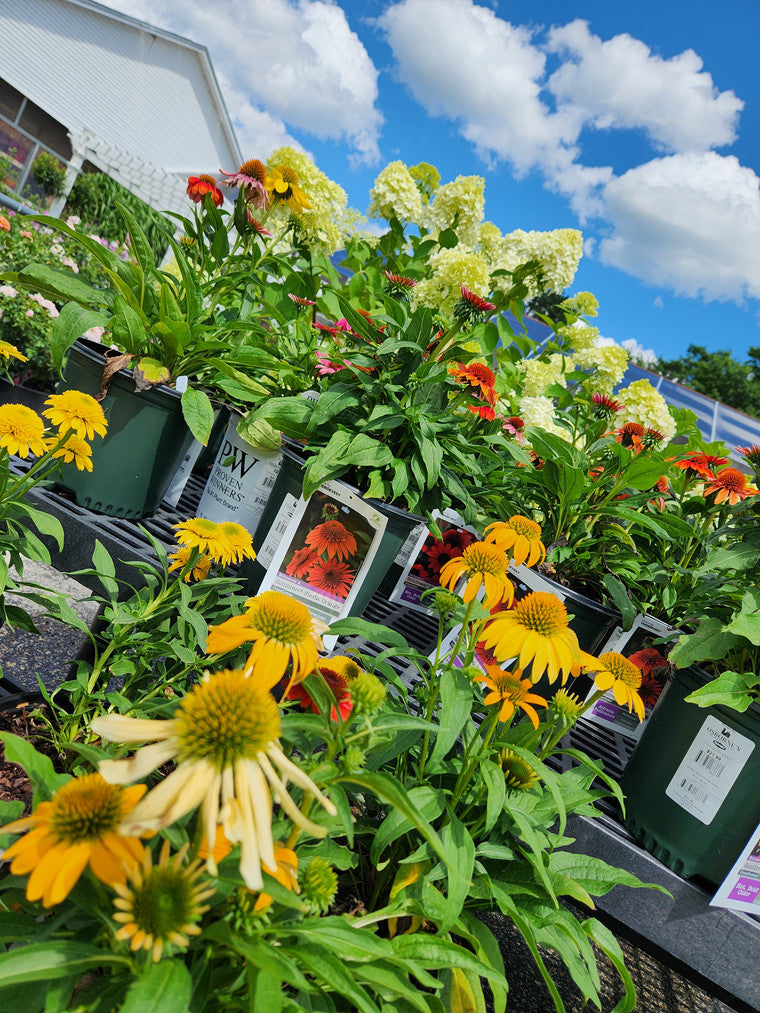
<point>558,254</point>
<point>580,337</point>
<point>395,195</point>
<point>583,304</point>
<point>450,269</point>
<point>458,205</point>
<point>330,221</point>
<point>488,241</point>
<point>608,360</point>
<point>542,373</point>
<point>643,404</point>
<point>539,412</point>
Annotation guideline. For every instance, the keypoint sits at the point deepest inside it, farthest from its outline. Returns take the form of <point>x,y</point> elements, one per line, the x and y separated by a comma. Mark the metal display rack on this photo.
<point>715,948</point>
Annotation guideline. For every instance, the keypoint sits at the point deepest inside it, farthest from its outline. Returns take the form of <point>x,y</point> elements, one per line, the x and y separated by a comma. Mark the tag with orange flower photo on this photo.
<point>326,551</point>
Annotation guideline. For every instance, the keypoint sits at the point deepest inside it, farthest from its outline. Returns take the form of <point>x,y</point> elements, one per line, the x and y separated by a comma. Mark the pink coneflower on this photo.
<point>251,177</point>
<point>751,453</point>
<point>256,225</point>
<point>300,301</point>
<point>325,367</point>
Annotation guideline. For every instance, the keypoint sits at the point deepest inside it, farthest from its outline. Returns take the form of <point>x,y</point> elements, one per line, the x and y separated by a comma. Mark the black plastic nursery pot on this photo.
<point>285,494</point>
<point>147,439</point>
<point>691,784</point>
<point>16,393</point>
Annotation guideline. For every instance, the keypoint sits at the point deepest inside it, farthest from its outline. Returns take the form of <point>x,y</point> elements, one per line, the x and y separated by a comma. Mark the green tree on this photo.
<point>719,375</point>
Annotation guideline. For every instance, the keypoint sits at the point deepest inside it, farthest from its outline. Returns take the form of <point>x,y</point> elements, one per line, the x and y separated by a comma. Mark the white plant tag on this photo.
<point>709,769</point>
<point>273,539</point>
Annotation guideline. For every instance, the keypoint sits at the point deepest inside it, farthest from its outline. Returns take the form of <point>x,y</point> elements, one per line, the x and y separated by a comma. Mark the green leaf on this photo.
<point>747,622</point>
<point>150,371</point>
<point>388,788</point>
<point>619,594</point>
<point>352,943</point>
<point>428,803</point>
<point>553,448</point>
<point>609,945</point>
<point>59,285</point>
<point>105,568</point>
<point>199,413</point>
<point>138,241</point>
<point>38,767</point>
<point>165,987</point>
<point>128,328</point>
<point>461,851</point>
<point>70,324</point>
<point>593,874</point>
<point>496,786</point>
<point>435,952</point>
<point>331,970</point>
<point>52,960</point>
<point>375,632</point>
<point>46,524</point>
<point>456,706</point>
<point>459,995</point>
<point>711,642</point>
<point>731,689</point>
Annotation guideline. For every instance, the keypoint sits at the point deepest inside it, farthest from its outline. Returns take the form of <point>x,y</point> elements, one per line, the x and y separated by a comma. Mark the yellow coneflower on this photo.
<point>200,569</point>
<point>511,691</point>
<point>76,411</point>
<point>9,351</point>
<point>224,738</point>
<point>536,632</point>
<point>78,827</point>
<point>161,904</point>
<point>617,673</point>
<point>226,543</point>
<point>519,536</point>
<point>77,450</point>
<point>283,188</point>
<point>22,431</point>
<point>283,634</point>
<point>484,566</point>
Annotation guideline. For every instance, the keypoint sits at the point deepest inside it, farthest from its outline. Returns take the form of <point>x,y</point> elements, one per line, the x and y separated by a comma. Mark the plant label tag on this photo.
<point>240,482</point>
<point>740,890</point>
<point>273,539</point>
<point>709,769</point>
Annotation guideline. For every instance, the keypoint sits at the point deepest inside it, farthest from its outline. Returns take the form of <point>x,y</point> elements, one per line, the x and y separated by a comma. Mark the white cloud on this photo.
<point>620,83</point>
<point>487,74</point>
<point>645,357</point>
<point>690,222</point>
<point>281,62</point>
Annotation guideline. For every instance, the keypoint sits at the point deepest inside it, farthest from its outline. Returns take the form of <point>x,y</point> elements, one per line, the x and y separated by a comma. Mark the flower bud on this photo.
<point>367,693</point>
<point>319,884</point>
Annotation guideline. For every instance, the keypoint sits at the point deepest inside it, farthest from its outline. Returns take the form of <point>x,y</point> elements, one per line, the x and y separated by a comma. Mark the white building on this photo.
<point>91,85</point>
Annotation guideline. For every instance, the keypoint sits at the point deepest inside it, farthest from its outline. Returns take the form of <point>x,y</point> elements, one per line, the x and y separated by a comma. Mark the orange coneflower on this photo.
<point>336,674</point>
<point>333,538</point>
<point>479,376</point>
<point>751,453</point>
<point>616,672</point>
<point>631,435</point>
<point>698,463</point>
<point>732,485</point>
<point>511,691</point>
<point>303,559</point>
<point>199,186</point>
<point>332,576</point>
<point>483,411</point>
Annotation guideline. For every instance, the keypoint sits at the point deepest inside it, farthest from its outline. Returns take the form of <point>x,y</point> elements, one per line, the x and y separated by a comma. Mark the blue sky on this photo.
<point>636,122</point>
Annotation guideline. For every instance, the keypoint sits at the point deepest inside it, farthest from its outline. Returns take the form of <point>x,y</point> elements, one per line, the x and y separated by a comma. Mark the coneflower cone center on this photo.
<point>623,669</point>
<point>542,612</point>
<point>280,618</point>
<point>481,558</point>
<point>226,719</point>
<point>164,903</point>
<point>524,526</point>
<point>255,169</point>
<point>86,809</point>
<point>482,373</point>
<point>730,478</point>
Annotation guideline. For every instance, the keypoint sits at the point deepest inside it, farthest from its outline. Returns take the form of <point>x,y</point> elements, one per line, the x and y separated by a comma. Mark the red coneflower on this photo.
<point>458,538</point>
<point>652,438</point>
<point>479,376</point>
<point>483,411</point>
<point>398,284</point>
<point>332,538</point>
<point>631,435</point>
<point>650,690</point>
<point>732,485</point>
<point>199,186</point>
<point>300,301</point>
<point>648,659</point>
<point>331,576</point>
<point>438,554</point>
<point>606,406</point>
<point>338,684</point>
<point>470,304</point>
